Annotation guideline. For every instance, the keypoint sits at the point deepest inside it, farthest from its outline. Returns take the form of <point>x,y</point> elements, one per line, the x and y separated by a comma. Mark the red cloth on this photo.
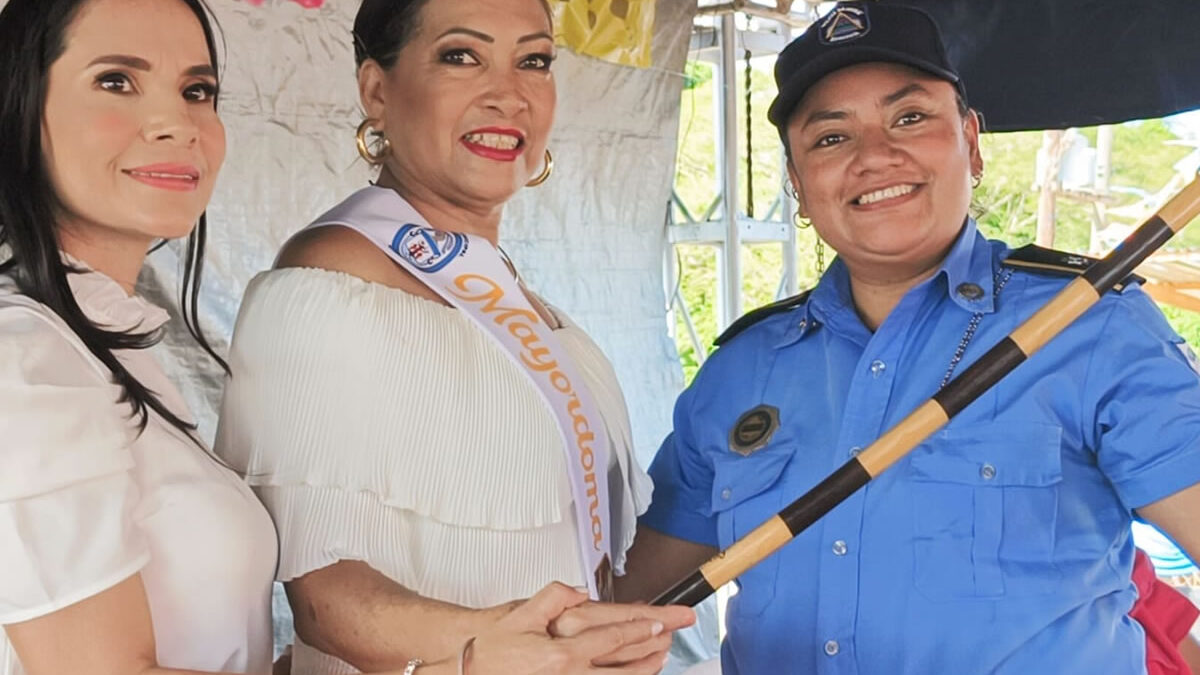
<point>1166,615</point>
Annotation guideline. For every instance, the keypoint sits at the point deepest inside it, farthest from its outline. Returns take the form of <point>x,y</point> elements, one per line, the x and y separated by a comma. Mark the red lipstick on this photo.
<point>493,142</point>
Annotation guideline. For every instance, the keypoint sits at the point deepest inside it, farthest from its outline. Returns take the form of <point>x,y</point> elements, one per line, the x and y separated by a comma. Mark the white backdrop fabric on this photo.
<point>591,240</point>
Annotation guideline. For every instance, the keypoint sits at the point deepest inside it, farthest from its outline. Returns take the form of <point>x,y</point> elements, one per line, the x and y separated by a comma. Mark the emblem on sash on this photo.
<point>844,24</point>
<point>753,429</point>
<point>428,249</point>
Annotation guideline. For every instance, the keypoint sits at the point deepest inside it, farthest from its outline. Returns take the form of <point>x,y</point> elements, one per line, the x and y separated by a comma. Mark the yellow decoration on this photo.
<point>618,31</point>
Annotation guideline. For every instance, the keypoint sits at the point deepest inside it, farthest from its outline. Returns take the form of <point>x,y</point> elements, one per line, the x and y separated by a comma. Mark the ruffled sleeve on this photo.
<point>67,498</point>
<point>378,426</point>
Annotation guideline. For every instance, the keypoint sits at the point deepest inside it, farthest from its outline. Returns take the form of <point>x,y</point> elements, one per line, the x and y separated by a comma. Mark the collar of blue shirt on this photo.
<point>969,265</point>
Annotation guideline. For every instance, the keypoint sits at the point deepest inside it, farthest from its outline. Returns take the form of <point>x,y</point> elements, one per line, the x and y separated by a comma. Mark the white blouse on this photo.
<point>380,426</point>
<point>85,502</point>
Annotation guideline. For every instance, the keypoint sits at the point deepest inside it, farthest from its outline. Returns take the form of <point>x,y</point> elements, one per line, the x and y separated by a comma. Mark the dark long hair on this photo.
<point>32,37</point>
<point>383,27</point>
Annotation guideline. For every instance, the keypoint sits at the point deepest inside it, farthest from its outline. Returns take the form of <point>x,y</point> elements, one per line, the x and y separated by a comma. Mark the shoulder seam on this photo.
<point>1037,259</point>
<point>756,315</point>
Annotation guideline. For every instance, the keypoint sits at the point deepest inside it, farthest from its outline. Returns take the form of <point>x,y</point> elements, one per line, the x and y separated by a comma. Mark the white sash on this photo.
<point>468,273</point>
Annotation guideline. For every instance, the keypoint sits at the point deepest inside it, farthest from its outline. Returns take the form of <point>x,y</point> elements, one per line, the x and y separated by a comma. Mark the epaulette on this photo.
<point>1039,259</point>
<point>754,316</point>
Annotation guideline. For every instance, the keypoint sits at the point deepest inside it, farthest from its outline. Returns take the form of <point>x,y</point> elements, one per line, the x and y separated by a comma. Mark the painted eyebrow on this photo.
<point>536,36</point>
<point>122,60</point>
<point>201,71</point>
<point>467,31</point>
<point>489,39</point>
<point>138,63</point>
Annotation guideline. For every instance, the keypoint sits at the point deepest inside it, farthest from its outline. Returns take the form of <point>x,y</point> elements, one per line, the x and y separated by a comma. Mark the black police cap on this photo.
<point>852,33</point>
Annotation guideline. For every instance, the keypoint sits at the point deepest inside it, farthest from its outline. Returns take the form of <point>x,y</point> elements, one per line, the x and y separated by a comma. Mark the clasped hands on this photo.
<point>559,631</point>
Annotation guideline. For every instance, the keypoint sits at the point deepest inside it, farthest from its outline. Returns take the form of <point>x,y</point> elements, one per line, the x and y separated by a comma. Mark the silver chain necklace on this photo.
<point>998,281</point>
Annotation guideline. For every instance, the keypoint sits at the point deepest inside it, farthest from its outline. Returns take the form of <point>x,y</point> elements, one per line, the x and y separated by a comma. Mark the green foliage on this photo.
<point>1186,323</point>
<point>761,265</point>
<point>696,175</point>
<point>1141,160</point>
<point>696,73</point>
<point>1006,201</point>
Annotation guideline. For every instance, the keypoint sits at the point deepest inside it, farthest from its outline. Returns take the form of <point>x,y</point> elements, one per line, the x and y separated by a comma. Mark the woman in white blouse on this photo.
<point>125,547</point>
<point>417,480</point>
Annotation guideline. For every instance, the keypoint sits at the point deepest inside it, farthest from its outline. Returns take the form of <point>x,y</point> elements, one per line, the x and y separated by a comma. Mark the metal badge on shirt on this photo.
<point>753,429</point>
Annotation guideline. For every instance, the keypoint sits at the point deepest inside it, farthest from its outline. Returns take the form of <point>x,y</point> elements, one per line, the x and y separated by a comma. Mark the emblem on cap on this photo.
<point>753,429</point>
<point>843,24</point>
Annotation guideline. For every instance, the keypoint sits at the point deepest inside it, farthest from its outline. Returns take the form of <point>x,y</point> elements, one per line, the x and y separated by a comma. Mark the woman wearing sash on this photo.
<point>125,548</point>
<point>433,448</point>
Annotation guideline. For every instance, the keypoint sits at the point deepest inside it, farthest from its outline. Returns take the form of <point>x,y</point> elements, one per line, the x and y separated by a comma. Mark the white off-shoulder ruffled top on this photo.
<point>382,427</point>
<point>86,502</point>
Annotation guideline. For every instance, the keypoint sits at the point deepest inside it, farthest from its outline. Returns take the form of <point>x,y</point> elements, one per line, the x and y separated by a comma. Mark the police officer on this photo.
<point>1002,543</point>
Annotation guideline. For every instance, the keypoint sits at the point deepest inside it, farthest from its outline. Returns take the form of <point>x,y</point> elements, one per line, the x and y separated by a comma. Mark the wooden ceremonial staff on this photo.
<point>1009,353</point>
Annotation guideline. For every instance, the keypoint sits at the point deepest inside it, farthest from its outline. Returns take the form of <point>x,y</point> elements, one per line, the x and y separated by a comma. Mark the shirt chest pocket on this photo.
<point>985,505</point>
<point>747,493</point>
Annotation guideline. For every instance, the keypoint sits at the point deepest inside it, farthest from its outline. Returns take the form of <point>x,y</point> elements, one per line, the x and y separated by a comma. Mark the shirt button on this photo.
<point>840,548</point>
<point>987,472</point>
<point>832,647</point>
<point>726,494</point>
<point>970,291</point>
<point>877,367</point>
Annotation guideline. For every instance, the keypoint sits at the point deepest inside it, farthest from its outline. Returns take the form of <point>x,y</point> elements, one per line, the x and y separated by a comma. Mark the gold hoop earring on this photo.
<point>976,180</point>
<point>384,146</point>
<point>546,171</point>
<point>800,221</point>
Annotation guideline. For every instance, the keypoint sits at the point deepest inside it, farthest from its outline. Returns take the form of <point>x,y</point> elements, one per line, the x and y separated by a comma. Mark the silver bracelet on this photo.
<point>462,656</point>
<point>412,666</point>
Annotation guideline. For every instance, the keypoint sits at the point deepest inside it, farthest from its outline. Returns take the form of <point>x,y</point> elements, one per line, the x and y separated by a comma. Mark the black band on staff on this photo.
<point>688,592</point>
<point>827,494</point>
<point>995,364</point>
<point>1138,246</point>
<point>898,441</point>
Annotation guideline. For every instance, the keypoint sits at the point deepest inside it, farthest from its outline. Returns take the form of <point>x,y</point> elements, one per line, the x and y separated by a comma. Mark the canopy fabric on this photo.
<point>1053,64</point>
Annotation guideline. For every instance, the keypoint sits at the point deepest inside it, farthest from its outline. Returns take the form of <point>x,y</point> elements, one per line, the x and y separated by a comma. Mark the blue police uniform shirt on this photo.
<point>1001,544</point>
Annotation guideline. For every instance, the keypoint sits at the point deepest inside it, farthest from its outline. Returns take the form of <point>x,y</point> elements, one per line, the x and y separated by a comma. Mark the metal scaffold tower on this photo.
<point>727,35</point>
